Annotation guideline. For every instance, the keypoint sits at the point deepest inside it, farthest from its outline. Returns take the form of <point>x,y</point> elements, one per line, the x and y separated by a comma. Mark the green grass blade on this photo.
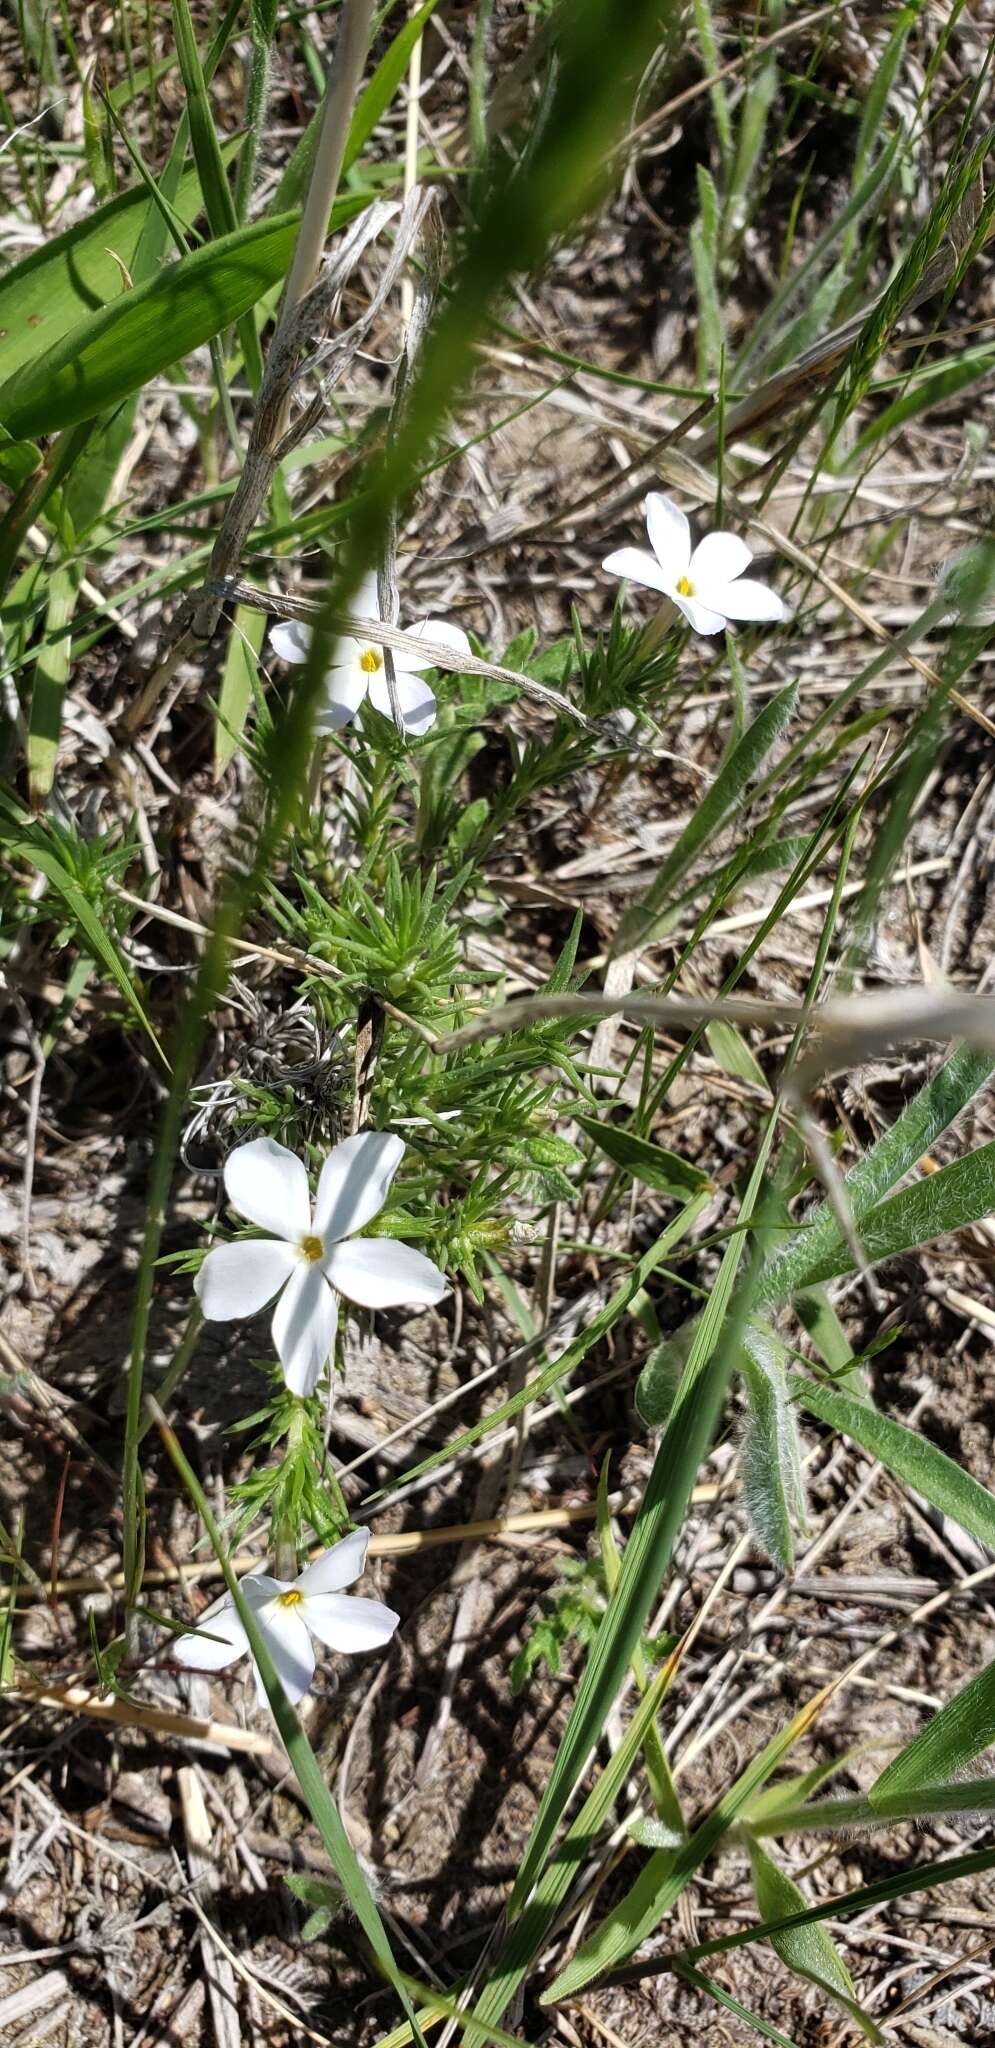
<point>35,853</point>
<point>245,639</point>
<point>920,1802</point>
<point>902,1884</point>
<point>807,1951</point>
<point>933,385</point>
<point>370,107</point>
<point>652,1165</point>
<point>761,356</point>
<point>665,1874</point>
<point>904,1452</point>
<point>575,1352</point>
<point>218,200</point>
<point>651,1541</point>
<point>763,2027</point>
<point>728,790</point>
<point>529,1932</point>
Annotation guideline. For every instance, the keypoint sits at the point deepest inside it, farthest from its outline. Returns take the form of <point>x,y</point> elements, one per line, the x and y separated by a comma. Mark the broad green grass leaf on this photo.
<point>18,461</point>
<point>244,642</point>
<point>909,1456</point>
<point>734,1055</point>
<point>650,1164</point>
<point>808,1951</point>
<point>74,275</point>
<point>901,1884</point>
<point>817,1315</point>
<point>728,789</point>
<point>928,1115</point>
<point>147,330</point>
<point>951,1740</point>
<point>52,666</point>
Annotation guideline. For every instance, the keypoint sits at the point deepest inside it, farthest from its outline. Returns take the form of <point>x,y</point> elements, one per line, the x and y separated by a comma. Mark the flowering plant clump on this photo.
<point>307,1260</point>
<point>705,583</point>
<point>357,668</point>
<point>289,1612</point>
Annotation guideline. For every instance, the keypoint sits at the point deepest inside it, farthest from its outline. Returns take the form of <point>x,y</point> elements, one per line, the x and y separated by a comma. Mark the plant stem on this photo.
<point>343,78</point>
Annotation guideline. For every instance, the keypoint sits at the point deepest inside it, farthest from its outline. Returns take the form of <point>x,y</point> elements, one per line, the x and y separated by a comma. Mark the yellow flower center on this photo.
<point>685,586</point>
<point>370,660</point>
<point>291,1598</point>
<point>313,1249</point>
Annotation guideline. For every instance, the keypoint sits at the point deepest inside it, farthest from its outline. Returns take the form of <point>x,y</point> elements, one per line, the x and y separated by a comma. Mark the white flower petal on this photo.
<point>259,1588</point>
<point>746,599</point>
<point>699,616</point>
<point>347,1622</point>
<point>268,1184</point>
<point>304,1328</point>
<point>717,559</point>
<point>238,1280</point>
<point>355,1182</point>
<point>337,1567</point>
<point>345,687</point>
<point>289,1645</point>
<point>670,535</point>
<point>415,701</point>
<point>290,640</point>
<point>438,633</point>
<point>637,565</point>
<point>380,1272</point>
<point>197,1653</point>
<point>366,603</point>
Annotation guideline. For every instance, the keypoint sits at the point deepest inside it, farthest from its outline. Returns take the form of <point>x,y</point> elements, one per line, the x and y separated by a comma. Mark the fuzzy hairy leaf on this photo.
<point>951,1740</point>
<point>770,1454</point>
<point>928,1115</point>
<point>910,1456</point>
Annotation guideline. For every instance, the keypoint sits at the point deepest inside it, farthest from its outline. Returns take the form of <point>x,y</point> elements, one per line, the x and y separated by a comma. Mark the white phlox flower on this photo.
<point>307,1259</point>
<point>357,668</point>
<point>289,1612</point>
<point>707,583</point>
